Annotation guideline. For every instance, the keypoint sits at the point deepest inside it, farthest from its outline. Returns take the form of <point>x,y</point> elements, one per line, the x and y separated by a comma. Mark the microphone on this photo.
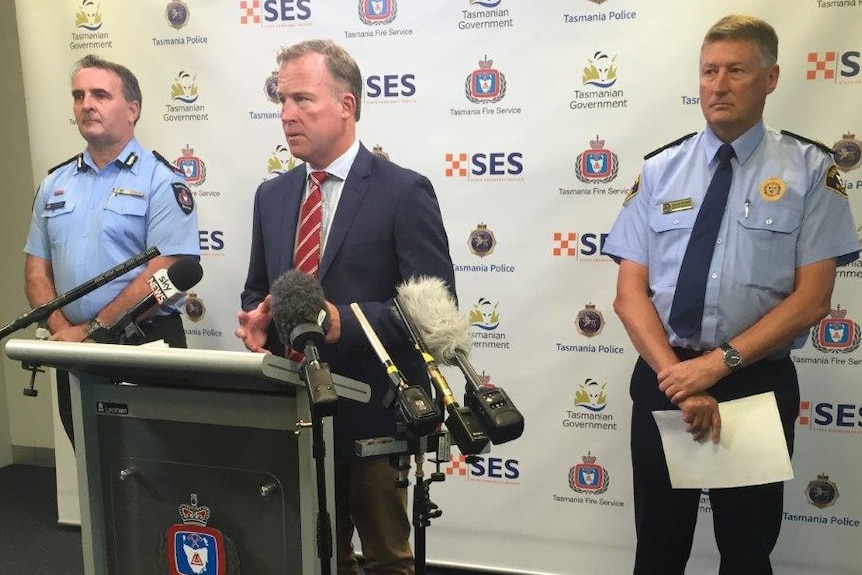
<point>299,314</point>
<point>417,410</point>
<point>42,312</point>
<point>167,286</point>
<point>466,429</point>
<point>444,330</point>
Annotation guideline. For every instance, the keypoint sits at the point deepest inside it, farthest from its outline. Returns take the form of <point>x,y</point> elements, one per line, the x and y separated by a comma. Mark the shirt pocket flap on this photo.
<point>683,220</point>
<point>127,205</point>
<point>772,218</point>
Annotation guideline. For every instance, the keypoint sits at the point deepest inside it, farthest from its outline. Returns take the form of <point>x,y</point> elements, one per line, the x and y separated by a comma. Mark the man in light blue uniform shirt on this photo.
<point>102,207</point>
<point>786,226</point>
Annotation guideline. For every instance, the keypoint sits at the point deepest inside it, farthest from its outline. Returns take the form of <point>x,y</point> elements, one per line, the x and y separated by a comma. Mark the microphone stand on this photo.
<point>323,402</point>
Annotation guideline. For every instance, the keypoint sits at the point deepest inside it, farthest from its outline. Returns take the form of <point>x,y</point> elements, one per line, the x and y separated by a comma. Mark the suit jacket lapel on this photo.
<point>352,194</point>
<point>295,191</point>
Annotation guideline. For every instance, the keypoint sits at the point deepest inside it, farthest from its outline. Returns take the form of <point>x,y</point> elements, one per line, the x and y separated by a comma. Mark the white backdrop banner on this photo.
<point>531,119</point>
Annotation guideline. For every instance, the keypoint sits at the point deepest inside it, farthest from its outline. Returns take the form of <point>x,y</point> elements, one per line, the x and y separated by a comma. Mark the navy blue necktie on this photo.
<point>686,312</point>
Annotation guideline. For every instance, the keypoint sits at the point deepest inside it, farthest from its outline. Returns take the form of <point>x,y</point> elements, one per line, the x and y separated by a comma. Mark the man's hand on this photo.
<point>73,333</point>
<point>700,412</point>
<point>333,334</point>
<point>254,326</point>
<point>688,378</point>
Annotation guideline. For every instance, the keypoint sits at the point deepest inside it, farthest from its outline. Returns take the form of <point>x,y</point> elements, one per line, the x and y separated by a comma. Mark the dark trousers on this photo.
<point>746,520</point>
<point>166,327</point>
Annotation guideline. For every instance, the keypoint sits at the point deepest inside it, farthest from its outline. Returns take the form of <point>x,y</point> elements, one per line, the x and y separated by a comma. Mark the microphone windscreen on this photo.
<point>185,273</point>
<point>297,298</point>
<point>435,314</point>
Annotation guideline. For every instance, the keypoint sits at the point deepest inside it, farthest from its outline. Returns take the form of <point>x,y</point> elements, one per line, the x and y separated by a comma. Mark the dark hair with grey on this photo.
<point>742,27</point>
<point>342,67</point>
<point>131,88</point>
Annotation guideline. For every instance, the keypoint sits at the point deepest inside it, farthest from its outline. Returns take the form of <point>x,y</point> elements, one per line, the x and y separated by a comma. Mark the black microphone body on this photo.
<point>167,286</point>
<point>415,408</point>
<point>42,312</point>
<point>299,315</point>
<point>466,430</point>
<point>444,330</point>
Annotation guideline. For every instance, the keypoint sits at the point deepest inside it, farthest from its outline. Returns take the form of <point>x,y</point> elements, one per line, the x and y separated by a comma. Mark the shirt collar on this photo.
<point>340,167</point>
<point>744,145</point>
<point>129,157</point>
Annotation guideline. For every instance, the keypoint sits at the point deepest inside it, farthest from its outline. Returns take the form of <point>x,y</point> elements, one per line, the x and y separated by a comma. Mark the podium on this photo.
<point>196,458</point>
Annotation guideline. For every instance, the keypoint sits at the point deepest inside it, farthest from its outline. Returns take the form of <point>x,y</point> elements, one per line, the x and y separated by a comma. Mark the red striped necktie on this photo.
<point>307,255</point>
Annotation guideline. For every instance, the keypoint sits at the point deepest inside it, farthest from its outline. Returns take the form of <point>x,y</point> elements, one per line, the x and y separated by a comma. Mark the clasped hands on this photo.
<point>685,384</point>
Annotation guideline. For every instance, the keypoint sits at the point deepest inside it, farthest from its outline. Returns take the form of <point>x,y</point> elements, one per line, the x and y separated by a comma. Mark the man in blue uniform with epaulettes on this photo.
<point>102,207</point>
<point>727,248</point>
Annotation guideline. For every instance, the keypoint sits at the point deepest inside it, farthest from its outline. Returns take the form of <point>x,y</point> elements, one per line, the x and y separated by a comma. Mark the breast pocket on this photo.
<point>669,238</point>
<point>768,236</point>
<point>58,217</point>
<point>125,218</point>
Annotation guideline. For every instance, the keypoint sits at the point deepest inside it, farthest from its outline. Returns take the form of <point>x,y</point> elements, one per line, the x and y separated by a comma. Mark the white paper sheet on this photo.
<point>751,449</point>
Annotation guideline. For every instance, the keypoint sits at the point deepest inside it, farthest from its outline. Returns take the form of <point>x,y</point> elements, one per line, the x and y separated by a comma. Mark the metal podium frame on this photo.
<point>188,386</point>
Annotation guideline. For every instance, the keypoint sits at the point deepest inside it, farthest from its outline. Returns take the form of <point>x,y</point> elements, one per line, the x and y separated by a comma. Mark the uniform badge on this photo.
<point>588,476</point>
<point>836,333</point>
<point>193,548</point>
<point>590,321</point>
<point>184,197</point>
<point>59,192</point>
<point>847,153</point>
<point>130,160</point>
<point>485,85</point>
<point>377,11</point>
<point>482,241</point>
<point>194,169</point>
<point>772,189</point>
<point>834,181</point>
<point>677,206</point>
<point>194,307</point>
<point>177,14</point>
<point>634,191</point>
<point>821,492</point>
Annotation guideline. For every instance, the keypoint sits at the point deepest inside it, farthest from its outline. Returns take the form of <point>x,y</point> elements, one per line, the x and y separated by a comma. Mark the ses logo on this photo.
<point>830,417</point>
<point>274,12</point>
<point>581,246</point>
<point>211,242</point>
<point>834,66</point>
<point>485,166</point>
<point>485,469</point>
<point>389,88</point>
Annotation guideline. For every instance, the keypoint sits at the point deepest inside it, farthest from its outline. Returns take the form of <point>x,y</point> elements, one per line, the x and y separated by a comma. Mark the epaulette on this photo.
<point>165,161</point>
<point>671,145</point>
<point>819,145</point>
<point>61,164</point>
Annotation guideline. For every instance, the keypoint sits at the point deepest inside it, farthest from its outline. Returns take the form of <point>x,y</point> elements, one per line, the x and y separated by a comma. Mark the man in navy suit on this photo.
<point>381,224</point>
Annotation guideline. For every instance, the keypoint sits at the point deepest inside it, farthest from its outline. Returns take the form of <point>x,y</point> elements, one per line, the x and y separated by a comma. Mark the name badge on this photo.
<point>677,206</point>
<point>54,206</point>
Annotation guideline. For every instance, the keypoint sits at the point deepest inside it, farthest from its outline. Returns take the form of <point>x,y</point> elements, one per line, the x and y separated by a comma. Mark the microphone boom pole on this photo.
<point>43,311</point>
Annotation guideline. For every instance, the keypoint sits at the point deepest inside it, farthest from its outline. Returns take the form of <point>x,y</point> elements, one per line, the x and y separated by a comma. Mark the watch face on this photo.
<point>732,357</point>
